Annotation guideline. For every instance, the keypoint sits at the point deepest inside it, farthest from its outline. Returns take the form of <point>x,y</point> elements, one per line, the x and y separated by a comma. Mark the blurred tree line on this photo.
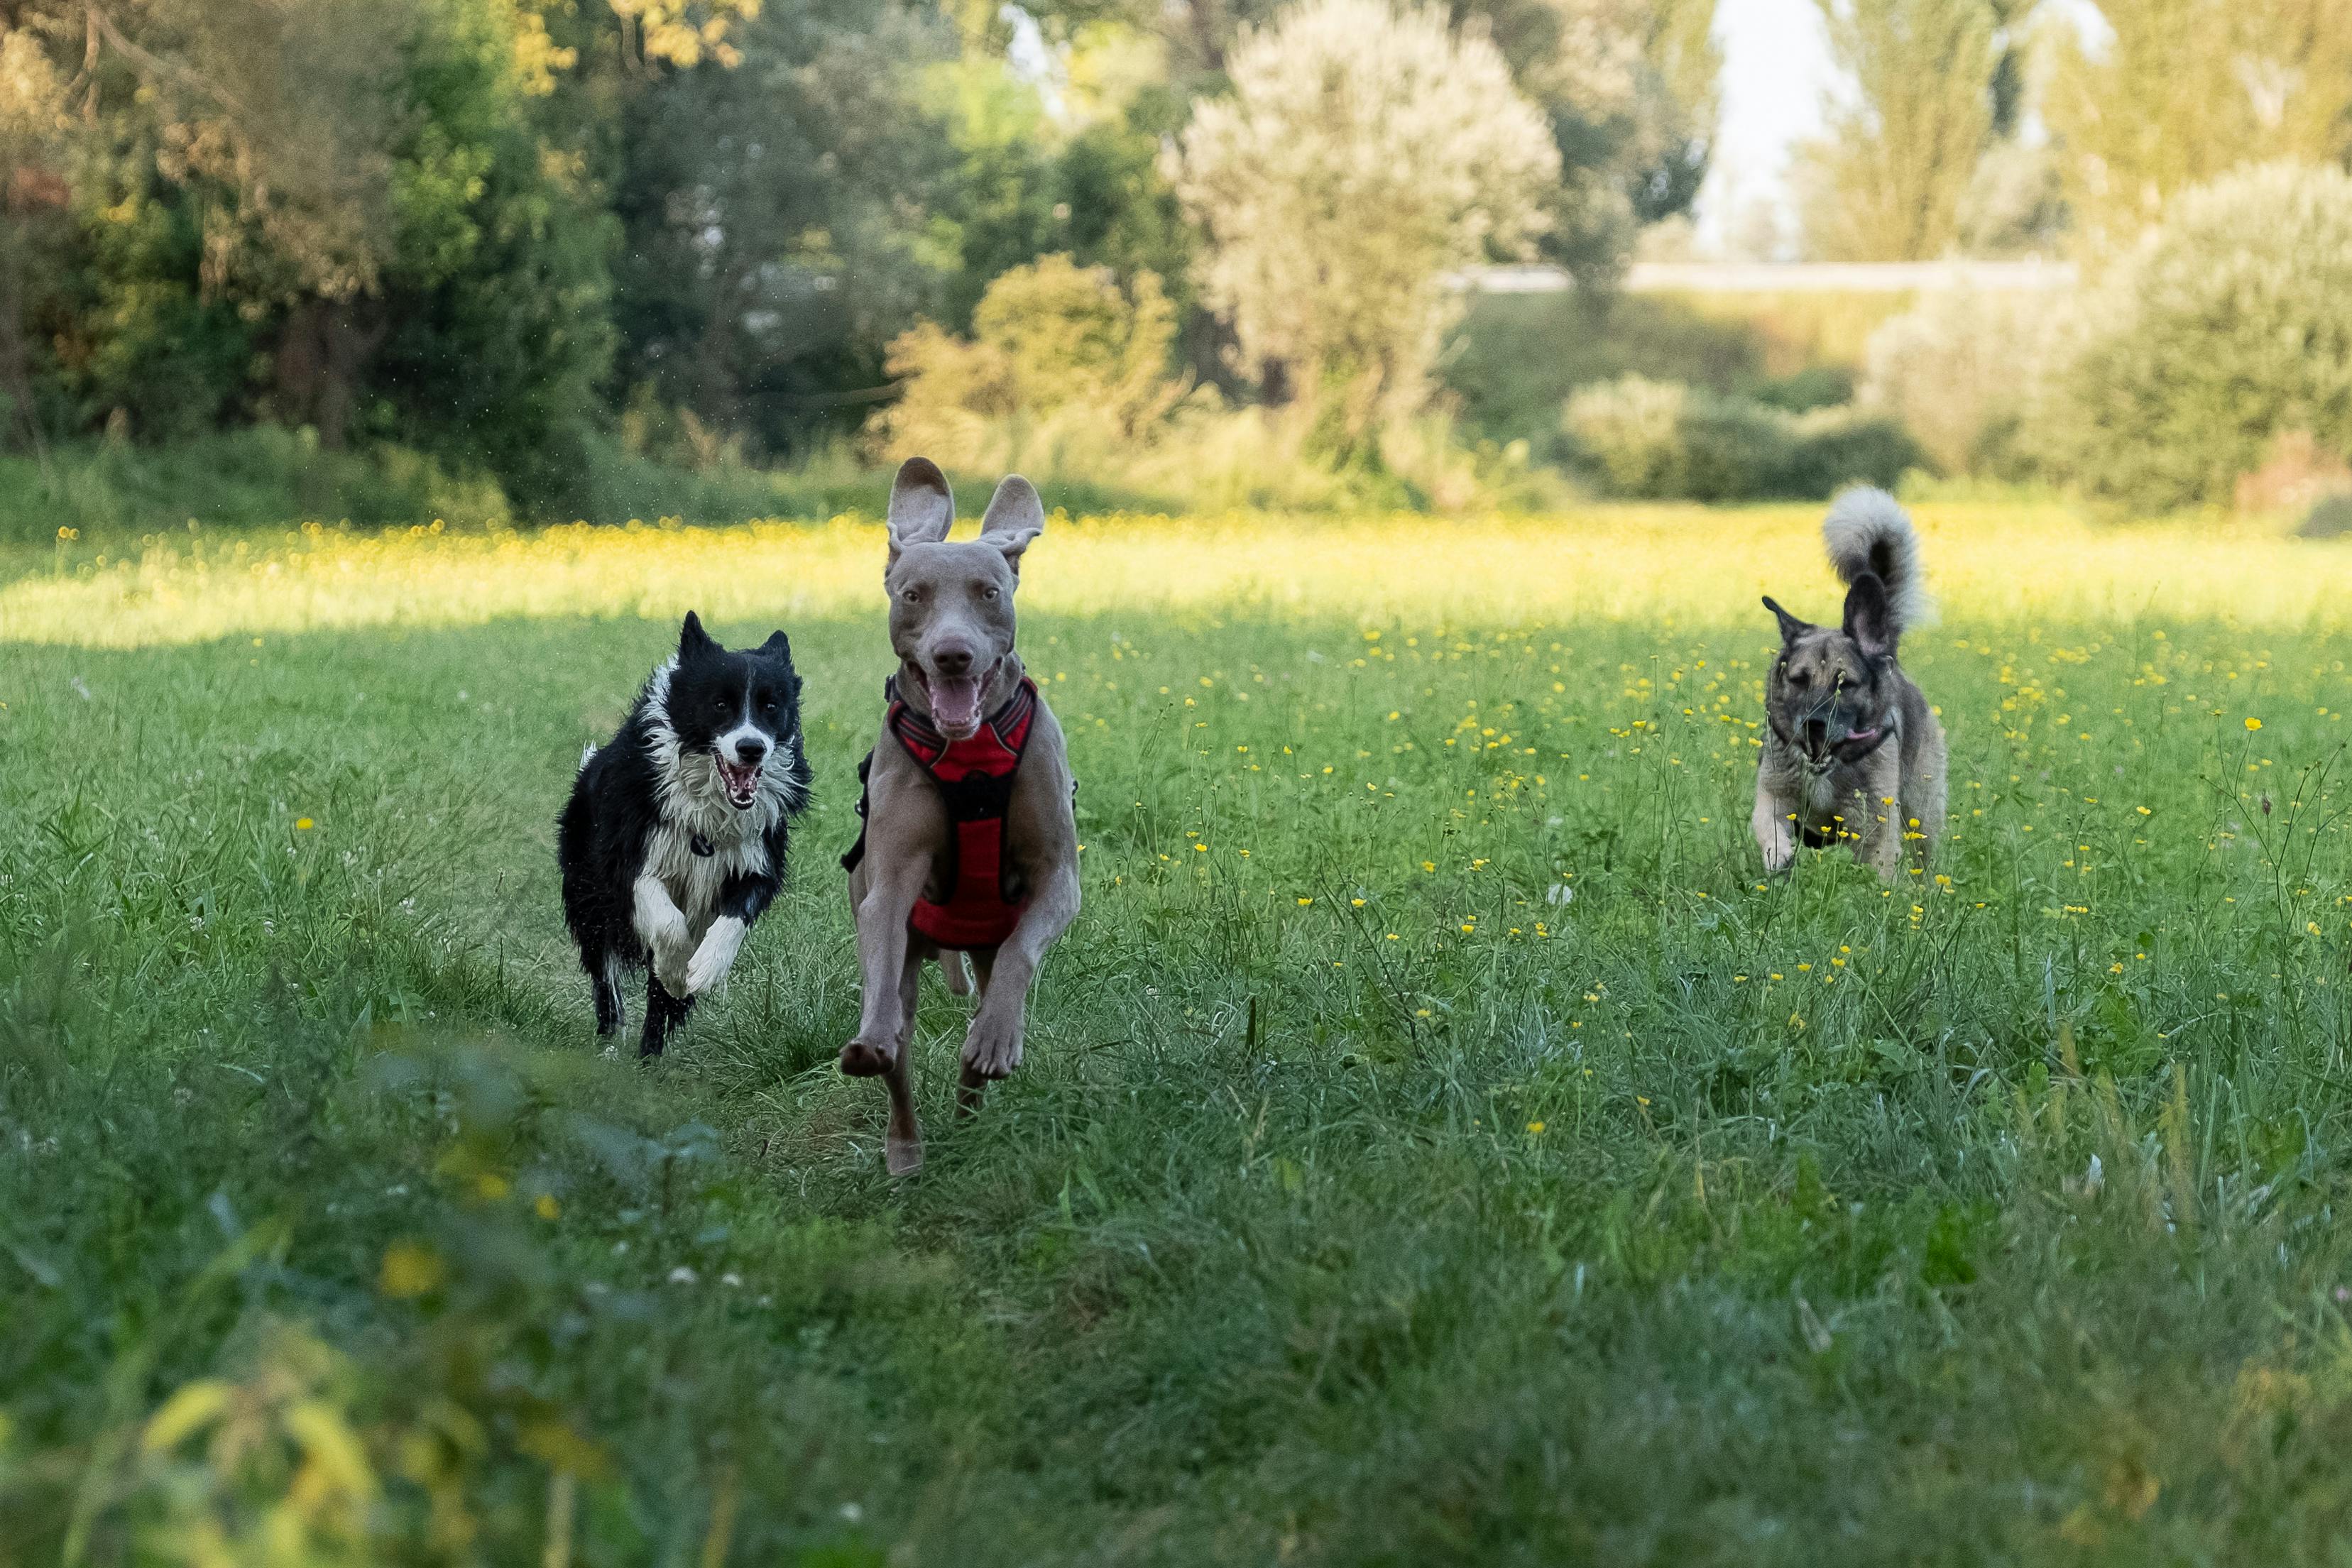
<point>1992,126</point>
<point>501,231</point>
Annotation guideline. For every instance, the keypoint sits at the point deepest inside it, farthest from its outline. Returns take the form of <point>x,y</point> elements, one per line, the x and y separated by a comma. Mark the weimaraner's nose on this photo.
<point>952,661</point>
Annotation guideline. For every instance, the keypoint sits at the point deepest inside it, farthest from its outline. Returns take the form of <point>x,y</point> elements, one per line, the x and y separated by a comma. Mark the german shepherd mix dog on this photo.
<point>970,845</point>
<point>1855,752</point>
<point>673,840</point>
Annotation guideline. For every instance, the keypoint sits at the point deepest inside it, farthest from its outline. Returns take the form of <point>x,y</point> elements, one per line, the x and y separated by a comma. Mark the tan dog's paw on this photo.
<point>865,1058</point>
<point>902,1156</point>
<point>992,1047</point>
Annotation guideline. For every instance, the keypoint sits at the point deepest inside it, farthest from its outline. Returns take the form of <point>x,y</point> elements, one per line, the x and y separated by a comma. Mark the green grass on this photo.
<point>1263,1257</point>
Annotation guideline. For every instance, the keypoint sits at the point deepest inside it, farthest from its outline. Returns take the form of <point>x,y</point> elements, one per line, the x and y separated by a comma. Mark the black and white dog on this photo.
<point>673,840</point>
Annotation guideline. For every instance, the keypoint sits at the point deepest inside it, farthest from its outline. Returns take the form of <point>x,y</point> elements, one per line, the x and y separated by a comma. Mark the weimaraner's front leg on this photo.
<point>893,883</point>
<point>902,1146</point>
<point>992,1047</point>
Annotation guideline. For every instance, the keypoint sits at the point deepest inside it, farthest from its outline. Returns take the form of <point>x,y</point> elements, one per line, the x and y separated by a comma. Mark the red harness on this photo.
<point>974,777</point>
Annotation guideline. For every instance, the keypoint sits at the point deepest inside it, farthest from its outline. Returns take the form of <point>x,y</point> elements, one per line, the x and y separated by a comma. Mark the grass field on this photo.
<point>1436,1145</point>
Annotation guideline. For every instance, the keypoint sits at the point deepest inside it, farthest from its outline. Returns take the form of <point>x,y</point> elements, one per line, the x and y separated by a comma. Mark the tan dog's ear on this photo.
<point>922,507</point>
<point>1015,517</point>
<point>1791,627</point>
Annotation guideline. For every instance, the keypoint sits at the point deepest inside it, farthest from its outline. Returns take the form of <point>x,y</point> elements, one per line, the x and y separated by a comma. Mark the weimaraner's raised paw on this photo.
<point>863,1059</point>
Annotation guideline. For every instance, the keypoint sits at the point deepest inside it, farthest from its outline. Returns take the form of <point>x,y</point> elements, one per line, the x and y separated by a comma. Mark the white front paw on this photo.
<point>715,955</point>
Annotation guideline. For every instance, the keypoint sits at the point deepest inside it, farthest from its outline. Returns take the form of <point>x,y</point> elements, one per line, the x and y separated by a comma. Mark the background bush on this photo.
<point>1065,366</point>
<point>2229,328</point>
<point>1663,440</point>
<point>1959,369</point>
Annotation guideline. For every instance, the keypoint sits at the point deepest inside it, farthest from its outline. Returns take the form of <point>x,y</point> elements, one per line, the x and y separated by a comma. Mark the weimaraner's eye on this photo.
<point>988,590</point>
<point>912,596</point>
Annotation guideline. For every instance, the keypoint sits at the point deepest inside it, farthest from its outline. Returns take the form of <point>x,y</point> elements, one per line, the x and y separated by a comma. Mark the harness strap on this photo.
<point>974,777</point>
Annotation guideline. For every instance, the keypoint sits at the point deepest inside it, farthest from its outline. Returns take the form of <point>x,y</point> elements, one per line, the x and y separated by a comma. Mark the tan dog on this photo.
<point>971,844</point>
<point>1853,752</point>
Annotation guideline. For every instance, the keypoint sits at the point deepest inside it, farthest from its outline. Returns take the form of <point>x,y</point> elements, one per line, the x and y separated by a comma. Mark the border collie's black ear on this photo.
<point>692,639</point>
<point>1869,617</point>
<point>1791,627</point>
<point>777,646</point>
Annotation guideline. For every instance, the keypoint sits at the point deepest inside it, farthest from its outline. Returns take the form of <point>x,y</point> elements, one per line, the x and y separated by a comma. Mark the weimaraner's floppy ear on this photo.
<point>1791,627</point>
<point>922,507</point>
<point>1015,517</point>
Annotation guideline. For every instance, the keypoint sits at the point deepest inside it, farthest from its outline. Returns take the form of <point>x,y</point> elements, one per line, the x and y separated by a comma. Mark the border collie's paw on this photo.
<point>670,966</point>
<point>992,1047</point>
<point>715,955</point>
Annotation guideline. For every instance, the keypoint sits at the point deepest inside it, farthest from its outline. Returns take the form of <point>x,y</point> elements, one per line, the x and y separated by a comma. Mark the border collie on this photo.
<point>674,839</point>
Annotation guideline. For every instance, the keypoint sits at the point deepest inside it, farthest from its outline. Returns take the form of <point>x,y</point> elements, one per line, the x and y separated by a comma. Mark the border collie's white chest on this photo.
<point>693,879</point>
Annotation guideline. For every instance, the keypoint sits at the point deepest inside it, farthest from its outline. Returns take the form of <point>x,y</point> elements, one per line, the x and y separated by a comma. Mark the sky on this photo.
<point>1775,71</point>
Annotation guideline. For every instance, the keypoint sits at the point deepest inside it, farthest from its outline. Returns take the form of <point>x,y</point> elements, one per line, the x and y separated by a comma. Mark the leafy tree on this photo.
<point>1365,151</point>
<point>1628,89</point>
<point>782,220</point>
<point>492,333</point>
<point>33,194</point>
<point>2185,89</point>
<point>1891,179</point>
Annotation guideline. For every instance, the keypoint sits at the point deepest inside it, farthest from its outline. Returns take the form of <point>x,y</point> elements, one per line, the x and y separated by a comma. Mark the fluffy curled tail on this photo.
<point>1868,530</point>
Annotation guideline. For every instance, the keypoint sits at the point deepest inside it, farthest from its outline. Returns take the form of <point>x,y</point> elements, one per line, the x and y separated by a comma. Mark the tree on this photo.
<point>1364,152</point>
<point>2184,90</point>
<point>1628,88</point>
<point>1890,179</point>
<point>33,194</point>
<point>781,221</point>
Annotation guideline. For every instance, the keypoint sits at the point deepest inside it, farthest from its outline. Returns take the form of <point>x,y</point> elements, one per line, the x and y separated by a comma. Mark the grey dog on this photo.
<point>971,841</point>
<point>1854,754</point>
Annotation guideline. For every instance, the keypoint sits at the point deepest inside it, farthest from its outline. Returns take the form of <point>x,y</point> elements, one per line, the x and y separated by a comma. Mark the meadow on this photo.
<point>1438,1143</point>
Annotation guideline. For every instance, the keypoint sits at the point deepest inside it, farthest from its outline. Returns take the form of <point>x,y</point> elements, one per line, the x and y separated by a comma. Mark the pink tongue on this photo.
<point>955,703</point>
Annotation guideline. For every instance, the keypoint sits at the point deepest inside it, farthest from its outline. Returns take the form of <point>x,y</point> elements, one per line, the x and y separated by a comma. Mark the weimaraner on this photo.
<point>971,843</point>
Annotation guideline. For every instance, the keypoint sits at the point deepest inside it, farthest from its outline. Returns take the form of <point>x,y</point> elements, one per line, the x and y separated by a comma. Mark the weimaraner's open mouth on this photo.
<point>955,699</point>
